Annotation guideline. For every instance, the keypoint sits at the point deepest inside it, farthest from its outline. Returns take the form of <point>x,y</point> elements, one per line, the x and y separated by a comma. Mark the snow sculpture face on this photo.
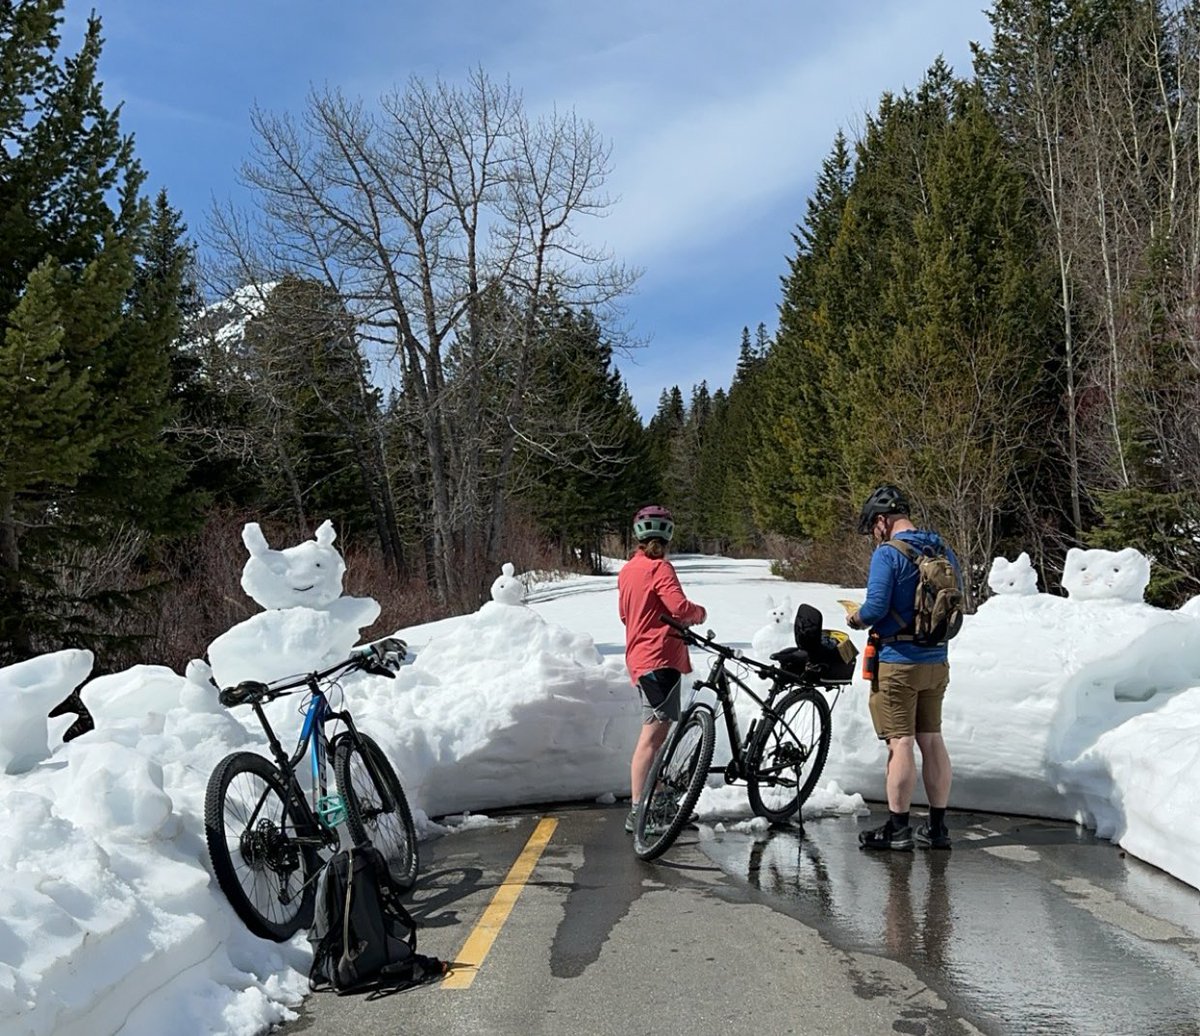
<point>777,634</point>
<point>1105,575</point>
<point>781,613</point>
<point>508,589</point>
<point>1016,578</point>
<point>307,575</point>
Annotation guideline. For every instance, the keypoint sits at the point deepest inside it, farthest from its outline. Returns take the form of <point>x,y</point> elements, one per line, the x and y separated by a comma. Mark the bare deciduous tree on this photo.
<point>447,219</point>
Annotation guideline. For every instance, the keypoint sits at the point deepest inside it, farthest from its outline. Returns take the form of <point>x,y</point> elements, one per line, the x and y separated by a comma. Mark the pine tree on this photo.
<point>597,472</point>
<point>952,410</point>
<point>73,223</point>
<point>735,445</point>
<point>796,483</point>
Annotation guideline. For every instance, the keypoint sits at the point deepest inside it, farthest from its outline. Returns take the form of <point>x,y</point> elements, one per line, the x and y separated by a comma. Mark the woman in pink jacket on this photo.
<point>648,587</point>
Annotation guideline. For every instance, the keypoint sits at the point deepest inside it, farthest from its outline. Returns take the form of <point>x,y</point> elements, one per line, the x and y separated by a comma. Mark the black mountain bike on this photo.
<point>266,838</point>
<point>780,758</point>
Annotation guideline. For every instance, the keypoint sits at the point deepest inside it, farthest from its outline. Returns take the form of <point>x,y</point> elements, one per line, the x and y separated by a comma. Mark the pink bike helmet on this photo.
<point>653,523</point>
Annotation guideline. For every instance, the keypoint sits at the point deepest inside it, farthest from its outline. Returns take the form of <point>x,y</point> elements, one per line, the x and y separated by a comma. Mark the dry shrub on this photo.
<point>403,600</point>
<point>530,550</point>
<point>136,602</point>
<point>842,561</point>
<point>193,593</point>
<point>202,595</point>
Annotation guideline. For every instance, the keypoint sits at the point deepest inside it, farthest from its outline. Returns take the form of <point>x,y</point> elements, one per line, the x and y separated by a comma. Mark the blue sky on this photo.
<point>719,116</point>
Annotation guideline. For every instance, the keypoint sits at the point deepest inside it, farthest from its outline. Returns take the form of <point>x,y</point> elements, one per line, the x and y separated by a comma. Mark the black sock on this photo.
<point>937,818</point>
<point>898,820</point>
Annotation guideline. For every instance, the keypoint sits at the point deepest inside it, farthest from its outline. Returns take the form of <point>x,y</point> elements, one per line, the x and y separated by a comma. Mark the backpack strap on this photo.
<point>348,955</point>
<point>389,896</point>
<point>910,552</point>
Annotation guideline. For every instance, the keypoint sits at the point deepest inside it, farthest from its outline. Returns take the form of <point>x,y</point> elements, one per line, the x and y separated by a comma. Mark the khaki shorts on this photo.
<point>906,698</point>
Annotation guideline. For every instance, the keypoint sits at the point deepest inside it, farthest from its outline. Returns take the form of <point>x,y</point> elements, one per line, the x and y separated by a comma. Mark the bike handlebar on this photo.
<point>764,670</point>
<point>382,658</point>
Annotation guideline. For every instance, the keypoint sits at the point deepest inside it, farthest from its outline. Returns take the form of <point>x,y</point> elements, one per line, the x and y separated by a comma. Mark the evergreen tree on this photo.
<point>796,483</point>
<point>662,431</point>
<point>952,410</point>
<point>735,444</point>
<point>74,226</point>
<point>598,473</point>
<point>313,414</point>
<point>686,495</point>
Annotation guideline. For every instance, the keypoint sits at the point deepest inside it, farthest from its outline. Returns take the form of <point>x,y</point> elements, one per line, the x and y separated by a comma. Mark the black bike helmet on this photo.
<point>884,500</point>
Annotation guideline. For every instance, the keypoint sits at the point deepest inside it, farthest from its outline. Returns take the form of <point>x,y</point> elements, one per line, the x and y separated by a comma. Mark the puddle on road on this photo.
<point>1028,926</point>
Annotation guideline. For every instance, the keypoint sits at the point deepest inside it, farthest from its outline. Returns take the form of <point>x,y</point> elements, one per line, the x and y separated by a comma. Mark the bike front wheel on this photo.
<point>674,783</point>
<point>788,754</point>
<point>377,812</point>
<point>250,824</point>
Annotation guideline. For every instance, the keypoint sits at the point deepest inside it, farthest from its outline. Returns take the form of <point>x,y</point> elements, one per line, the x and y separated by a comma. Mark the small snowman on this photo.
<point>307,624</point>
<point>778,633</point>
<point>508,589</point>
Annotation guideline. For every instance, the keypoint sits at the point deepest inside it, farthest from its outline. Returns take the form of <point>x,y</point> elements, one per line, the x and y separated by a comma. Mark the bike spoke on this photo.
<point>791,754</point>
<point>255,823</point>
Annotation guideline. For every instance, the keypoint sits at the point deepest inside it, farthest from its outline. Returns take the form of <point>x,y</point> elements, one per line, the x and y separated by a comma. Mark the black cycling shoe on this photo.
<point>928,839</point>
<point>887,837</point>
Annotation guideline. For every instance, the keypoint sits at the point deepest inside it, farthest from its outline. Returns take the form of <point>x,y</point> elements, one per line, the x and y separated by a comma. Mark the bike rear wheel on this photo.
<point>250,825</point>
<point>389,828</point>
<point>678,774</point>
<point>788,754</point>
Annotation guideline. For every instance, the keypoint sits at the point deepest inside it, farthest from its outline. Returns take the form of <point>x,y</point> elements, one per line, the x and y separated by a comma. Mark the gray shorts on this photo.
<point>660,690</point>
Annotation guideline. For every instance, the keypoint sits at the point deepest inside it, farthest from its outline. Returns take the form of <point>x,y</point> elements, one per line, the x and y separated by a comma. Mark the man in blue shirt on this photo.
<point>910,679</point>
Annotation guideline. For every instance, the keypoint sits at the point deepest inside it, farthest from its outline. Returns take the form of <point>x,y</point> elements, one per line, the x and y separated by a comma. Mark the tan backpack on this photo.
<point>938,604</point>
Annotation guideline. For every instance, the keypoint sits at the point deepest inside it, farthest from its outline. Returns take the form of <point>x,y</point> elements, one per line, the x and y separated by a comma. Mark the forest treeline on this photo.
<point>992,301</point>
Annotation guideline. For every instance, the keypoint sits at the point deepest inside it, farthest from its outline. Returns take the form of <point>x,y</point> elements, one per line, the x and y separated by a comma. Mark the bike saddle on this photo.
<point>248,692</point>
<point>793,659</point>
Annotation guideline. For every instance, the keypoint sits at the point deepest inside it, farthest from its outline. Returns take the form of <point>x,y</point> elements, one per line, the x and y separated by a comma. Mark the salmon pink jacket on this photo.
<point>647,588</point>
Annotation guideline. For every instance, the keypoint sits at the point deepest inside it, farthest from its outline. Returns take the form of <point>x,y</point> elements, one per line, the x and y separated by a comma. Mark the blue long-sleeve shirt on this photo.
<point>891,587</point>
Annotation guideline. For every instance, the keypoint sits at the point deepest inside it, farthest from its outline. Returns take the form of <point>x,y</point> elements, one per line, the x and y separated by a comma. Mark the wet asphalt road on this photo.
<point>1027,926</point>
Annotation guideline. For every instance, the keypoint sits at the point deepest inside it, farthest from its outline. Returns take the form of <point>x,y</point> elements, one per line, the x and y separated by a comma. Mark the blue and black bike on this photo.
<point>267,838</point>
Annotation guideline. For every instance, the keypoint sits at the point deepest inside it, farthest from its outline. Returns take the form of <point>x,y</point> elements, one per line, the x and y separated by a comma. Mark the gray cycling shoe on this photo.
<point>654,825</point>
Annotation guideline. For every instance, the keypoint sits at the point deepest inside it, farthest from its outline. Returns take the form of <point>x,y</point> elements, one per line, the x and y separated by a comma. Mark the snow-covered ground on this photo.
<point>110,921</point>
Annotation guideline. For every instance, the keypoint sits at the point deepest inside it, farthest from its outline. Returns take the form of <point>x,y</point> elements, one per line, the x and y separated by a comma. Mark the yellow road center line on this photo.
<point>469,959</point>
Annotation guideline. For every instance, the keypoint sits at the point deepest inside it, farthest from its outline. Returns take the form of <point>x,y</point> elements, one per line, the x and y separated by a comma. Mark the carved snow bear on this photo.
<point>1013,578</point>
<point>307,623</point>
<point>1106,575</point>
<point>778,633</point>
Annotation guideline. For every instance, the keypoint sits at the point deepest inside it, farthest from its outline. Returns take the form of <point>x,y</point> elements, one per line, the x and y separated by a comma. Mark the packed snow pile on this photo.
<point>503,708</point>
<point>110,921</point>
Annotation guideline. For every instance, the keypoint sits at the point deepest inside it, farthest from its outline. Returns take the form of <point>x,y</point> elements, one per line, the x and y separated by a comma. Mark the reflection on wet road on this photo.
<point>1027,926</point>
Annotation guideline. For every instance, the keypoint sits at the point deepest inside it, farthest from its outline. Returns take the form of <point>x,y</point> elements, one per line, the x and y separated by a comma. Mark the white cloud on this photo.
<point>714,109</point>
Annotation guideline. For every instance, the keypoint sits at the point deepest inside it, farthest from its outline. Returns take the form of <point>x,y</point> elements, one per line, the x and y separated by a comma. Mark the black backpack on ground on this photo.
<point>362,937</point>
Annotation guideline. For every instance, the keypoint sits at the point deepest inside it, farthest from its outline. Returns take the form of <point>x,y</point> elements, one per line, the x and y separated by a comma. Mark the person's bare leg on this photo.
<point>901,774</point>
<point>649,740</point>
<point>936,773</point>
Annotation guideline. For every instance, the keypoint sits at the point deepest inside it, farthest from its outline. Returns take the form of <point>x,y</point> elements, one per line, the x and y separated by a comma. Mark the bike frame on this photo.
<point>312,736</point>
<point>718,681</point>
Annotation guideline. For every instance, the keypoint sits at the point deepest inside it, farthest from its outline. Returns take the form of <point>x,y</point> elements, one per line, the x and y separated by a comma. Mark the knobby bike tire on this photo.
<point>391,831</point>
<point>250,826</point>
<point>680,767</point>
<point>789,752</point>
